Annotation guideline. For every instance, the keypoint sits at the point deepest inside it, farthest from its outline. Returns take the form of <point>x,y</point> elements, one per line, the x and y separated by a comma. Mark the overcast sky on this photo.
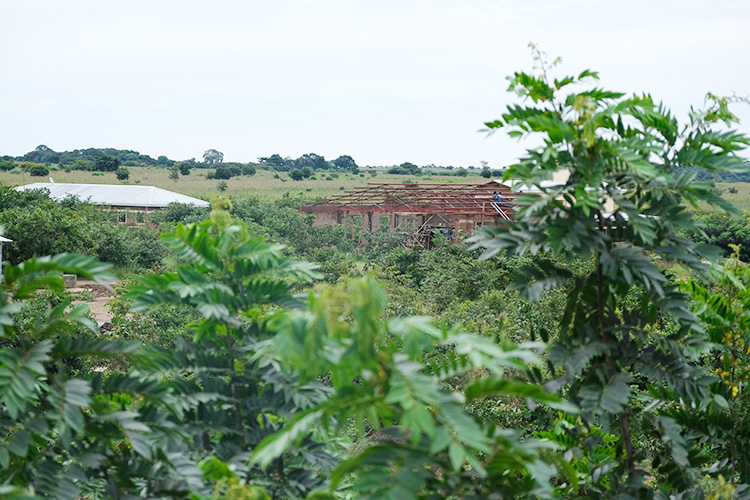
<point>385,81</point>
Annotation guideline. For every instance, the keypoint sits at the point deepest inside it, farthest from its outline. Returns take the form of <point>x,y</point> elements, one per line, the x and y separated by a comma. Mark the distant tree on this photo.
<point>122,174</point>
<point>312,160</point>
<point>235,169</point>
<point>212,157</point>
<point>184,168</point>
<point>174,174</point>
<point>42,154</point>
<point>221,186</point>
<point>6,165</point>
<point>461,172</point>
<point>486,173</point>
<point>307,172</point>
<point>85,165</point>
<point>248,170</point>
<point>38,170</point>
<point>296,174</point>
<point>483,164</point>
<point>410,167</point>
<point>222,173</point>
<point>275,160</point>
<point>106,163</point>
<point>162,160</point>
<point>345,162</point>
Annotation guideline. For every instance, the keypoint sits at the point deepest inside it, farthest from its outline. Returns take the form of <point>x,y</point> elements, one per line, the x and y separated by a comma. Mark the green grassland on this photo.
<point>740,198</point>
<point>269,185</point>
<point>263,185</point>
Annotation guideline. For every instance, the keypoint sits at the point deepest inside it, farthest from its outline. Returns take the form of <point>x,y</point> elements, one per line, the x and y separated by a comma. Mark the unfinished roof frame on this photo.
<point>444,206</point>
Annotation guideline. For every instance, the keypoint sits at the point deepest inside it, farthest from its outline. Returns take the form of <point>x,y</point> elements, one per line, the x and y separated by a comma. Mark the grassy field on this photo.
<point>741,199</point>
<point>262,185</point>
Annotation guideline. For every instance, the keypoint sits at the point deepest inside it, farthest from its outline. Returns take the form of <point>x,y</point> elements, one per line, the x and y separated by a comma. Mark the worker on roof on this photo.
<point>497,197</point>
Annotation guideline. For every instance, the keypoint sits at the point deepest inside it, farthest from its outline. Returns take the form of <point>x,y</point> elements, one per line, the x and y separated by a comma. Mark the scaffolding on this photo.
<point>449,208</point>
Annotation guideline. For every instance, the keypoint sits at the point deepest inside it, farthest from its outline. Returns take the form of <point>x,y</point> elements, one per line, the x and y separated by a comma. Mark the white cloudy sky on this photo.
<point>385,81</point>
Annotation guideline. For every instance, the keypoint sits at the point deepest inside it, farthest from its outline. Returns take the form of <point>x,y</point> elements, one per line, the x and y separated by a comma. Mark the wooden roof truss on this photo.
<point>400,198</point>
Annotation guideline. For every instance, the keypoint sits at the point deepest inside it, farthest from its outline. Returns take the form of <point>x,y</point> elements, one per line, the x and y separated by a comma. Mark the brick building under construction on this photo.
<point>419,210</point>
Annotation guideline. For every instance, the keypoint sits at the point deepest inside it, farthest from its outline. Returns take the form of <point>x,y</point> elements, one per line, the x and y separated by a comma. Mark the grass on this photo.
<point>740,199</point>
<point>262,185</point>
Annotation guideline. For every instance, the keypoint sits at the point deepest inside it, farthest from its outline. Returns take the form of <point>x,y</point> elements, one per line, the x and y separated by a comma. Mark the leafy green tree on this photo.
<point>391,376</point>
<point>613,352</point>
<point>213,157</point>
<point>66,436</point>
<point>106,163</point>
<point>174,174</point>
<point>722,430</point>
<point>42,154</point>
<point>222,173</point>
<point>724,232</point>
<point>486,173</point>
<point>122,174</point>
<point>38,171</point>
<point>307,172</point>
<point>296,174</point>
<point>345,162</point>
<point>280,164</point>
<point>248,170</point>
<point>312,160</point>
<point>85,165</point>
<point>222,186</point>
<point>184,168</point>
<point>234,397</point>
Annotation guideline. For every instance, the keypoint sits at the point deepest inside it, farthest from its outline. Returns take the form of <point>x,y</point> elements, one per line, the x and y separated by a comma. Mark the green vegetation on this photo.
<point>627,336</point>
<point>558,357</point>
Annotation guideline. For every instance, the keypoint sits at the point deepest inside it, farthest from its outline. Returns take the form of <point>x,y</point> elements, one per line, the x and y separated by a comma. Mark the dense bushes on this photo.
<point>40,226</point>
<point>38,170</point>
<point>722,230</point>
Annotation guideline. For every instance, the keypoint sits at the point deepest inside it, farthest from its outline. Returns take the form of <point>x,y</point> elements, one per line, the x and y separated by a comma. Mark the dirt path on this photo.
<point>100,304</point>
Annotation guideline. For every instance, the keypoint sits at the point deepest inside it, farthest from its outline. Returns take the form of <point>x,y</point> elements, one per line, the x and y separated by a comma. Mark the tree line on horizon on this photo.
<point>112,159</point>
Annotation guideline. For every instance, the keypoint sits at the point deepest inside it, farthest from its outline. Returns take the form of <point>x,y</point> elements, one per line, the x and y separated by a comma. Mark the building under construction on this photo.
<point>418,210</point>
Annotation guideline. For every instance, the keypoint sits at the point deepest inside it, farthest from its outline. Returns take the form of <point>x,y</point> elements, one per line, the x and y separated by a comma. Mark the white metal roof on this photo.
<point>116,195</point>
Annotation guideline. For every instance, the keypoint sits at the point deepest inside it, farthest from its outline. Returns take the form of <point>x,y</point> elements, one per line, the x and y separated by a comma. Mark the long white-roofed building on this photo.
<point>132,203</point>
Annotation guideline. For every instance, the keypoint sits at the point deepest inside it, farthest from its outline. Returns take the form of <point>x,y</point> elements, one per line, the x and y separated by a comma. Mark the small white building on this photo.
<point>132,203</point>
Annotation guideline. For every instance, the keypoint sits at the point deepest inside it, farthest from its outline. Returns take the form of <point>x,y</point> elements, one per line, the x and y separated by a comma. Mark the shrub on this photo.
<point>223,173</point>
<point>38,171</point>
<point>248,170</point>
<point>722,230</point>
<point>180,212</point>
<point>122,174</point>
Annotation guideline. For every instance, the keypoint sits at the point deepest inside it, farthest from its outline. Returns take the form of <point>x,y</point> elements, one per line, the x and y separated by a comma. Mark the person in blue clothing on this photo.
<point>497,197</point>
